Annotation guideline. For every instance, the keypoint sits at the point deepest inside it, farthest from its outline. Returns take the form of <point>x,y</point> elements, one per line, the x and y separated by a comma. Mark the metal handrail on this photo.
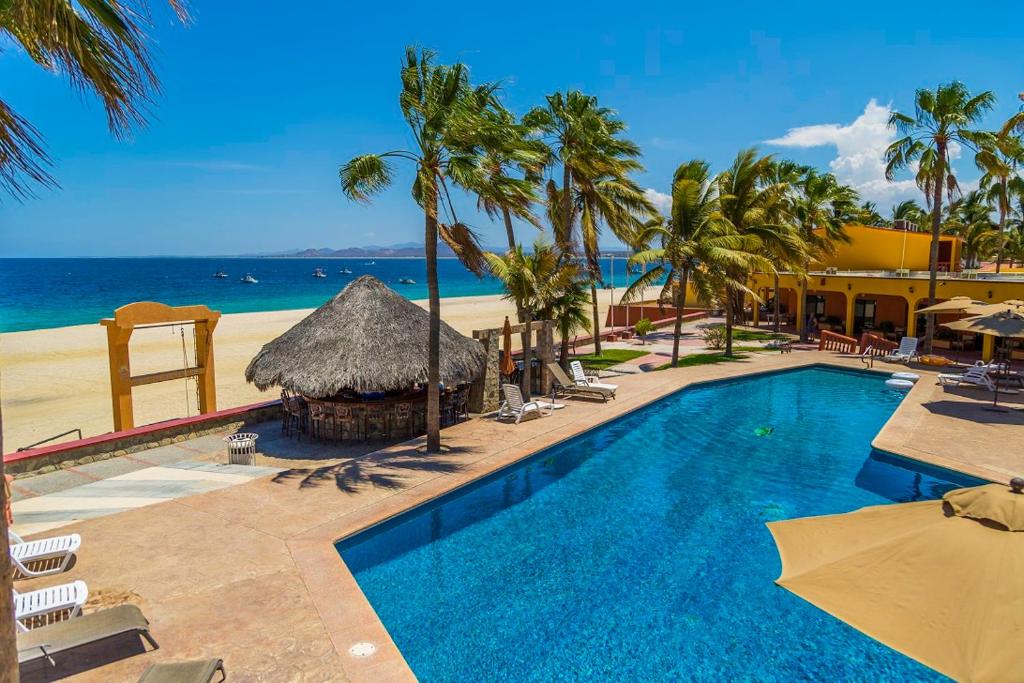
<point>39,443</point>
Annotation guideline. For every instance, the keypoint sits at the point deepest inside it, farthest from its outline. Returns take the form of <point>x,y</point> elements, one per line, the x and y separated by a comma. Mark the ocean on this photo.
<point>56,292</point>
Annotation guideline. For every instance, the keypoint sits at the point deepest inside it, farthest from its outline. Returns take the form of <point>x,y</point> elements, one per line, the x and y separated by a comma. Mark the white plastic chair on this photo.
<point>515,406</point>
<point>60,602</point>
<point>906,352</point>
<point>976,375</point>
<point>589,380</point>
<point>55,552</point>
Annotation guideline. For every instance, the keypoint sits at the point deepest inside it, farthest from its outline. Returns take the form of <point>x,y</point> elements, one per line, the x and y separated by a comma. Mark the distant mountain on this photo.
<point>401,250</point>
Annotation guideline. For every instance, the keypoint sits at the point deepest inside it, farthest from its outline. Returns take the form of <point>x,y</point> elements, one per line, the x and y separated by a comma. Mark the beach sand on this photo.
<point>58,379</point>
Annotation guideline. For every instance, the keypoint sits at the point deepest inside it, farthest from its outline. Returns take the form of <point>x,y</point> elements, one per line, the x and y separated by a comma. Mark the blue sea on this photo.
<point>638,551</point>
<point>45,293</point>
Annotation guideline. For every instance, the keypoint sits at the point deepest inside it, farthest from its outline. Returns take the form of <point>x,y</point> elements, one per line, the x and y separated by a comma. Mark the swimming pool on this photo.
<point>638,550</point>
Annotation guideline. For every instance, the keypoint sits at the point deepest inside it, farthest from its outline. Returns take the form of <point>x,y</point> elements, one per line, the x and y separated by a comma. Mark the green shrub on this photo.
<point>714,336</point>
<point>643,327</point>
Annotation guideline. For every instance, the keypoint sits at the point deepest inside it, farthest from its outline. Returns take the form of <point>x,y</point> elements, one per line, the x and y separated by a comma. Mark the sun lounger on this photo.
<point>48,641</point>
<point>195,671</point>
<point>590,380</point>
<point>65,600</point>
<point>567,386</point>
<point>515,406</point>
<point>53,554</point>
<point>905,353</point>
<point>976,375</point>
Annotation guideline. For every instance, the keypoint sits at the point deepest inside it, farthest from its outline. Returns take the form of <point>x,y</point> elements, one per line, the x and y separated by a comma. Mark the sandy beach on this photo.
<point>57,379</point>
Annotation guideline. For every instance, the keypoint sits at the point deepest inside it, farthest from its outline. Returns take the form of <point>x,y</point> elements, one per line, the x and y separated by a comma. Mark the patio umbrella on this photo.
<point>985,309</point>
<point>941,581</point>
<point>1006,324</point>
<point>958,304</point>
<point>507,365</point>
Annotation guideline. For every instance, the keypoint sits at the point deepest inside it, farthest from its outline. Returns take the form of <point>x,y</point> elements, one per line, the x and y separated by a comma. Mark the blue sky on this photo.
<point>261,106</point>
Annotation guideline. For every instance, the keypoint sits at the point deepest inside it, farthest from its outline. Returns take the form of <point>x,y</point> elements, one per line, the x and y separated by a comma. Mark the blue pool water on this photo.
<point>638,551</point>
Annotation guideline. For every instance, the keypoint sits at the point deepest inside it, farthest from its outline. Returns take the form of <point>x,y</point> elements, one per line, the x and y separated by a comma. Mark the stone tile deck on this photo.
<point>249,573</point>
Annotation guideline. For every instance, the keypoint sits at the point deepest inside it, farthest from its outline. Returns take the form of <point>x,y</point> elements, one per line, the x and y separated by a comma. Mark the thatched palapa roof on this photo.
<point>366,338</point>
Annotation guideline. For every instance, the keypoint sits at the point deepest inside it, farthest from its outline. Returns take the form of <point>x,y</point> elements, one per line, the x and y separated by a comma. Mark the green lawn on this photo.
<point>609,358</point>
<point>756,335</point>
<point>712,358</point>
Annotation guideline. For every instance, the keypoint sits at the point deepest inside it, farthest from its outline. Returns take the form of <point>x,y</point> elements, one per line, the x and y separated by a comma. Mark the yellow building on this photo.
<point>874,282</point>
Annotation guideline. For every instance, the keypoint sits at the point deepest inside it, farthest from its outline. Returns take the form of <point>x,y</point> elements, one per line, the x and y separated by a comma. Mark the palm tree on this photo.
<point>570,311</point>
<point>102,48</point>
<point>867,214</point>
<point>999,161</point>
<point>445,114</point>
<point>970,218</point>
<point>692,237</point>
<point>596,161</point>
<point>511,164</point>
<point>908,210</point>
<point>941,117</point>
<point>749,203</point>
<point>820,209</point>
<point>534,281</point>
<point>787,255</point>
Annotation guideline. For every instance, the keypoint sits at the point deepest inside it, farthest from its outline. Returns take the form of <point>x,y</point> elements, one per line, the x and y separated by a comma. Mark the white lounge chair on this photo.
<point>590,380</point>
<point>515,406</point>
<point>976,375</point>
<point>571,387</point>
<point>65,600</point>
<point>905,353</point>
<point>53,553</point>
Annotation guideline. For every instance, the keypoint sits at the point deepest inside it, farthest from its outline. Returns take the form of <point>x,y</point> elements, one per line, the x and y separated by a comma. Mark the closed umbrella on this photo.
<point>941,581</point>
<point>507,365</point>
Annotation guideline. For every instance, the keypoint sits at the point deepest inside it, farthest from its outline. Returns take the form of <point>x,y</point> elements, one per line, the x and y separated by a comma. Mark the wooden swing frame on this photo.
<point>146,314</point>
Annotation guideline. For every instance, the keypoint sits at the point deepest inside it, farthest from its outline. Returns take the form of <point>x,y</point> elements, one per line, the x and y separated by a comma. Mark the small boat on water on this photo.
<point>406,281</point>
<point>319,272</point>
<point>345,271</point>
<point>370,263</point>
<point>249,279</point>
<point>220,274</point>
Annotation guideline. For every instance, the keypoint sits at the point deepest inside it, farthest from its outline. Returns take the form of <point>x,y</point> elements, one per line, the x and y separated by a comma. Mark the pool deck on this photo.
<point>249,572</point>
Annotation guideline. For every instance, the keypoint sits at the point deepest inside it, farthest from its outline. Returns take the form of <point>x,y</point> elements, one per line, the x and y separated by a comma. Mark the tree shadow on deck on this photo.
<point>386,469</point>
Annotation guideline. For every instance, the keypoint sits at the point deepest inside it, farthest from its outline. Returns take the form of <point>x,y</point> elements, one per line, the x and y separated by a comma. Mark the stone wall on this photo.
<point>50,459</point>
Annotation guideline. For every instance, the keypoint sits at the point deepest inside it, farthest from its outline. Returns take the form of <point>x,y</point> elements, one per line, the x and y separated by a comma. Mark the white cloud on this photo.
<point>860,148</point>
<point>661,201</point>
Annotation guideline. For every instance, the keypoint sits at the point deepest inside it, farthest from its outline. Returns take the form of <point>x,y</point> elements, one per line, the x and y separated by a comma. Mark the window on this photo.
<point>815,305</point>
<point>863,315</point>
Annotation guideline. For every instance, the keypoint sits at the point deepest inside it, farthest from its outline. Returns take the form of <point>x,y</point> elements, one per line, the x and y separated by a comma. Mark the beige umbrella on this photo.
<point>958,304</point>
<point>985,309</point>
<point>941,581</point>
<point>1004,323</point>
<point>508,366</point>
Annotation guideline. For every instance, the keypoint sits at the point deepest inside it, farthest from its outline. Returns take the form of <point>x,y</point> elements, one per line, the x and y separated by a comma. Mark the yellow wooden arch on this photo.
<point>152,314</point>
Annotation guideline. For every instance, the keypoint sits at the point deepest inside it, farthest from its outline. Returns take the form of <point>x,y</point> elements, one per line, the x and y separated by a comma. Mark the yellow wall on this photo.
<point>913,290</point>
<point>886,249</point>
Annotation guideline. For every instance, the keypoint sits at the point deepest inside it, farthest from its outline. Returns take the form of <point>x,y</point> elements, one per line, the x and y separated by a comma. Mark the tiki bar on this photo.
<point>356,368</point>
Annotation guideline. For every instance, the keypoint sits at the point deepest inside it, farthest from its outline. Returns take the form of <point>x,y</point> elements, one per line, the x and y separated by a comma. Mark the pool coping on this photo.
<point>348,615</point>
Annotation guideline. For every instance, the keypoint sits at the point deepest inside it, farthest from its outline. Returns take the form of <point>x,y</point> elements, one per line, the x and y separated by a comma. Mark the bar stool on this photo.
<point>376,416</point>
<point>318,419</point>
<point>345,420</point>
